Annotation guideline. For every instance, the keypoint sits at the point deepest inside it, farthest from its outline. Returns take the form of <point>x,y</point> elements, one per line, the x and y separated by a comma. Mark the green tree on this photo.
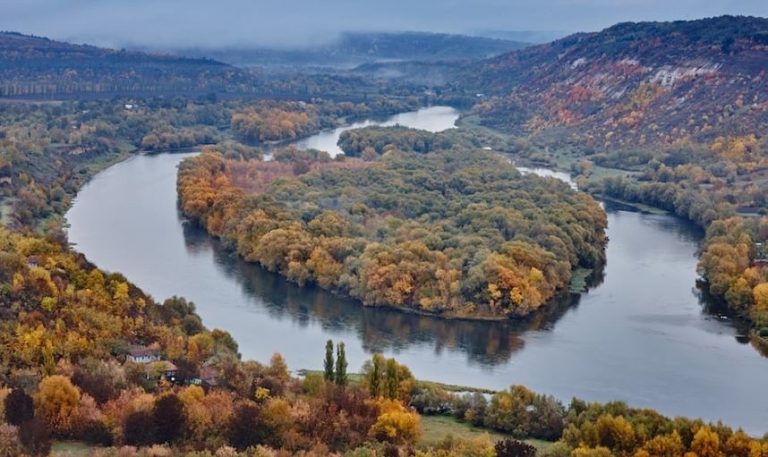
<point>391,379</point>
<point>328,374</point>
<point>341,365</point>
<point>374,374</point>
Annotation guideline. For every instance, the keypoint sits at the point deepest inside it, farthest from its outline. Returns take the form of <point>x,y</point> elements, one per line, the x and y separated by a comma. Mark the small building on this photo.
<point>144,354</point>
<point>162,369</point>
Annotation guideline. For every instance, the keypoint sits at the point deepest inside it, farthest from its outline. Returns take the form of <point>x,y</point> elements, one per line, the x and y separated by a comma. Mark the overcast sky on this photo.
<point>187,23</point>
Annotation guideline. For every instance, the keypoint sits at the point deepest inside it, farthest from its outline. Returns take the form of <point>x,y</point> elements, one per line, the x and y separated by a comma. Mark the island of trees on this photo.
<point>455,233</point>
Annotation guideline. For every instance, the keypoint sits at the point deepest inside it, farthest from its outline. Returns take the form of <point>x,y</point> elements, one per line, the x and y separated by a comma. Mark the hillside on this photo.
<point>633,83</point>
<point>32,65</point>
<point>352,49</point>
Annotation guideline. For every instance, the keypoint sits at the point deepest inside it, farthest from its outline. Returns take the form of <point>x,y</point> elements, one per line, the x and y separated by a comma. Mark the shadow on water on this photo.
<point>487,343</point>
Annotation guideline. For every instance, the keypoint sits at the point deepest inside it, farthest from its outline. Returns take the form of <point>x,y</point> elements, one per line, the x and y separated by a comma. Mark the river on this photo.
<point>641,335</point>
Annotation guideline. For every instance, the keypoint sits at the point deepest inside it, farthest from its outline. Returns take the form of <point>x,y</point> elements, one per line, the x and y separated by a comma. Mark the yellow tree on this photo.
<point>706,443</point>
<point>56,403</point>
<point>395,423</point>
<point>760,293</point>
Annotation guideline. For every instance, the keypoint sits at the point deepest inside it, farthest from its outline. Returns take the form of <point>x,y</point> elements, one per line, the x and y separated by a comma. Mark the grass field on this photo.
<point>436,428</point>
<point>71,449</point>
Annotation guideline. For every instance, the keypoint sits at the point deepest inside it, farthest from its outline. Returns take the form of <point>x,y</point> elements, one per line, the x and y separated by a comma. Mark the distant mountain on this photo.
<point>353,49</point>
<point>632,84</point>
<point>35,66</point>
<point>524,36</point>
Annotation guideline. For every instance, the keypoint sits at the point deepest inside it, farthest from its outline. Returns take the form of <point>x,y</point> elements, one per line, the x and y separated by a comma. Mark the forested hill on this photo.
<point>633,83</point>
<point>31,66</point>
<point>357,48</point>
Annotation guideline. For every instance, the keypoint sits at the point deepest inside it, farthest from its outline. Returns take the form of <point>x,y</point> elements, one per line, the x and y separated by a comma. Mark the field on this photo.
<point>436,428</point>
<point>71,449</point>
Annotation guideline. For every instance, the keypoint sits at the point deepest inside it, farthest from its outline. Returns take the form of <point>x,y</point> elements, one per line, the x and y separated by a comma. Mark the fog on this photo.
<point>297,23</point>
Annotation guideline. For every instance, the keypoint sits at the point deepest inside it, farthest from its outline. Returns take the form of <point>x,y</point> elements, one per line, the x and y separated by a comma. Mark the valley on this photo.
<point>575,230</point>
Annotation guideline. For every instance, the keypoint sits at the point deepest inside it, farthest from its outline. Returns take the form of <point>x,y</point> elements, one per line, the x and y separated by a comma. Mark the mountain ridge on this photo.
<point>633,83</point>
<point>358,48</point>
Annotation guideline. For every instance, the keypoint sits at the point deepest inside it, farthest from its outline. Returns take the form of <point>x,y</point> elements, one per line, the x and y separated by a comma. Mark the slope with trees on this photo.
<point>673,115</point>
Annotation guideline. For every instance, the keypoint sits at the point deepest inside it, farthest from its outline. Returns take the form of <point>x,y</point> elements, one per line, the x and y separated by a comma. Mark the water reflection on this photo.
<point>379,329</point>
<point>640,335</point>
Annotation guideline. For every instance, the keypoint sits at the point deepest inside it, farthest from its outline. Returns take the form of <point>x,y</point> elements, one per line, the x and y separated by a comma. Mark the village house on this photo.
<point>162,369</point>
<point>144,354</point>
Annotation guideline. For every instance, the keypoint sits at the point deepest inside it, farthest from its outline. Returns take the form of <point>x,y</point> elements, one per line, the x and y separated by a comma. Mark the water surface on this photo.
<point>433,119</point>
<point>641,335</point>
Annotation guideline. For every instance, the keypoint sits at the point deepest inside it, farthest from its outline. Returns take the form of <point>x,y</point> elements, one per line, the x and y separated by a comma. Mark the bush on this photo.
<point>19,407</point>
<point>169,418</point>
<point>139,429</point>
<point>35,437</point>
<point>514,448</point>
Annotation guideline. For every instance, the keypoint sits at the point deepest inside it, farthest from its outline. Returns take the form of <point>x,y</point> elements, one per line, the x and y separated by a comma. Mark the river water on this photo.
<point>641,335</point>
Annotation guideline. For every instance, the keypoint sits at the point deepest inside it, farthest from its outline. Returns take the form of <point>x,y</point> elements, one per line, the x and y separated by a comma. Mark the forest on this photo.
<point>452,233</point>
<point>720,187</point>
<point>668,114</point>
<point>48,150</point>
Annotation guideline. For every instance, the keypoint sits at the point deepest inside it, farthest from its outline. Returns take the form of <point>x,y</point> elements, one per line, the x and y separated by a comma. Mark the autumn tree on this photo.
<point>341,365</point>
<point>245,427</point>
<point>706,443</point>
<point>139,428</point>
<point>35,436</point>
<point>514,448</point>
<point>169,418</point>
<point>19,407</point>
<point>56,403</point>
<point>395,423</point>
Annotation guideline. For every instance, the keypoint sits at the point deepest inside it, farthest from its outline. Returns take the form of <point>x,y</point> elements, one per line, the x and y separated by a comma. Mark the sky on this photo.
<point>295,23</point>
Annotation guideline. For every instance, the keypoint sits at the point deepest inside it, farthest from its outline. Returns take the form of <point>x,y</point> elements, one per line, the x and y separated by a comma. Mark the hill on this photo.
<point>33,66</point>
<point>633,83</point>
<point>357,48</point>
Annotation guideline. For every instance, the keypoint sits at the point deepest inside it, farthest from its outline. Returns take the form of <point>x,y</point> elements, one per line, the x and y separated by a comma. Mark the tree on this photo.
<point>760,293</point>
<point>56,403</point>
<point>169,418</point>
<point>341,365</point>
<point>139,429</point>
<point>245,428</point>
<point>328,373</point>
<point>395,423</point>
<point>706,443</point>
<point>391,381</point>
<point>278,368</point>
<point>35,437</point>
<point>374,371</point>
<point>19,407</point>
<point>615,433</point>
<point>514,448</point>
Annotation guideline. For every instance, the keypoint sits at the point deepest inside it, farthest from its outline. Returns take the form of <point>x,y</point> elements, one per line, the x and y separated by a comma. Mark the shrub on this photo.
<point>139,429</point>
<point>19,407</point>
<point>514,448</point>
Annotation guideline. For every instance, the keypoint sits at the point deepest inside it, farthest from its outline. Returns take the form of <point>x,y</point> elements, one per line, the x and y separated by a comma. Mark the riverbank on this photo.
<point>631,337</point>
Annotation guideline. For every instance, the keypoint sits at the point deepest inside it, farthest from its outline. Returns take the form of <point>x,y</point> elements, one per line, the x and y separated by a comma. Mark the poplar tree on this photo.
<point>328,373</point>
<point>341,365</point>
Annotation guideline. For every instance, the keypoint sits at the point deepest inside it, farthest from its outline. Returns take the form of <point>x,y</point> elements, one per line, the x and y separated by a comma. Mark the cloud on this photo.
<point>206,23</point>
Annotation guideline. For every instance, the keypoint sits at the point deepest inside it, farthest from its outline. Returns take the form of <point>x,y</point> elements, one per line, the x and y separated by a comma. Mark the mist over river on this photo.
<point>642,335</point>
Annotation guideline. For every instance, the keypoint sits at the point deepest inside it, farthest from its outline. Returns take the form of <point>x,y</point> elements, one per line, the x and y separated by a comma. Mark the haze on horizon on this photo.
<point>168,24</point>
